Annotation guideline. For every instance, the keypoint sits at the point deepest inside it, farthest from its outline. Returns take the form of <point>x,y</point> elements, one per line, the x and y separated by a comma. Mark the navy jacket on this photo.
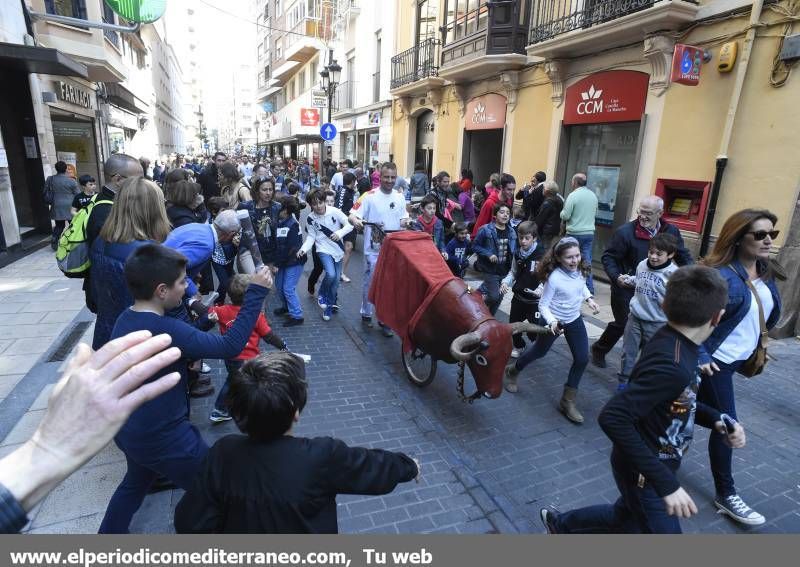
<point>629,246</point>
<point>739,298</point>
<point>289,240</point>
<point>486,245</point>
<point>108,286</point>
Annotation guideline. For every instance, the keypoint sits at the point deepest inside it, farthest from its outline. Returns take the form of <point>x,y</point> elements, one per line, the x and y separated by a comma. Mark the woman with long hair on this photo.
<point>237,196</point>
<point>264,215</point>
<point>185,204</point>
<point>742,255</point>
<point>564,272</point>
<point>137,217</point>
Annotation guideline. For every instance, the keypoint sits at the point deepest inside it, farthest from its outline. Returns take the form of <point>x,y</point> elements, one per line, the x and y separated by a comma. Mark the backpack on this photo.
<point>47,193</point>
<point>72,254</point>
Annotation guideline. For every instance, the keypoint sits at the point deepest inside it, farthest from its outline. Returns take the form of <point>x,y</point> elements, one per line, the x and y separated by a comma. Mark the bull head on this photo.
<point>487,349</point>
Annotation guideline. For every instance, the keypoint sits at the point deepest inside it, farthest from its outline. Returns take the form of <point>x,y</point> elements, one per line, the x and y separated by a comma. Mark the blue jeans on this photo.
<point>717,391</point>
<point>636,511</point>
<point>491,290</point>
<point>286,284</point>
<point>232,366</point>
<point>578,341</point>
<point>585,242</point>
<point>178,460</point>
<point>330,283</point>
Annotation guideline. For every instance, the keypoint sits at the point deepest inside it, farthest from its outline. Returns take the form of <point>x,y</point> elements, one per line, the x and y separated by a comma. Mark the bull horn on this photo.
<point>526,327</point>
<point>460,342</point>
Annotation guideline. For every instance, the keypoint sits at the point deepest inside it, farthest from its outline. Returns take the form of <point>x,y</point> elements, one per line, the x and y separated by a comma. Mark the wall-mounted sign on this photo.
<point>611,96</point>
<point>74,94</point>
<point>319,99</point>
<point>375,117</point>
<point>309,117</point>
<point>686,62</point>
<point>487,112</point>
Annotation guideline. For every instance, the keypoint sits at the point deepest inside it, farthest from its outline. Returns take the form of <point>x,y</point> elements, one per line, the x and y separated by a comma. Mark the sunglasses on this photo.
<point>759,235</point>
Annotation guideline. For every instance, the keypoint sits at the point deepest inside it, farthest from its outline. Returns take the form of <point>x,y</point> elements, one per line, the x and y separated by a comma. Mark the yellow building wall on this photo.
<point>530,135</point>
<point>449,137</point>
<point>763,166</point>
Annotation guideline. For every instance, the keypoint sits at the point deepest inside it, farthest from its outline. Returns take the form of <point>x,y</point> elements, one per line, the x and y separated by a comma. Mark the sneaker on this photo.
<point>345,279</point>
<point>334,308</point>
<point>736,508</point>
<point>515,353</point>
<point>280,311</point>
<point>200,391</point>
<point>598,358</point>
<point>326,314</point>
<point>292,322</point>
<point>387,332</point>
<point>366,320</point>
<point>322,302</point>
<point>205,369</point>
<point>218,416</point>
<point>549,517</point>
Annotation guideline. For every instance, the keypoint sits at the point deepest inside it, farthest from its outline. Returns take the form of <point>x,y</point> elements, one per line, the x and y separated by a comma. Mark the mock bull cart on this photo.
<point>439,317</point>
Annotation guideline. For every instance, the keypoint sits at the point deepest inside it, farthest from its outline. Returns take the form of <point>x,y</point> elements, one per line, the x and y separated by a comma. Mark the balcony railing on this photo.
<point>551,18</point>
<point>376,86</point>
<point>467,24</point>
<point>344,97</point>
<point>417,63</point>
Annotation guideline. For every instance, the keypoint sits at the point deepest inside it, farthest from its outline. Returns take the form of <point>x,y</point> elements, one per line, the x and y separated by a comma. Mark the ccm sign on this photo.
<point>613,96</point>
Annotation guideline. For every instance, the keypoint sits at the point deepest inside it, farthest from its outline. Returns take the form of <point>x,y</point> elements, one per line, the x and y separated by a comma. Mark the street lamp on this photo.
<point>330,79</point>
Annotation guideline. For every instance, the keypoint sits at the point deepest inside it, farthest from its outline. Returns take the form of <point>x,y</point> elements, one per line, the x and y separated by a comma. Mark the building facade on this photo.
<point>570,86</point>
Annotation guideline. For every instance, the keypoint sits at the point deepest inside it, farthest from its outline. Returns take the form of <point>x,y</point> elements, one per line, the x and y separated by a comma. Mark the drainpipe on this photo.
<point>727,132</point>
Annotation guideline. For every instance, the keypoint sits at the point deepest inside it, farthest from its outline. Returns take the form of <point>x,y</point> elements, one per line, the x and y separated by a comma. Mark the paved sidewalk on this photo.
<point>487,467</point>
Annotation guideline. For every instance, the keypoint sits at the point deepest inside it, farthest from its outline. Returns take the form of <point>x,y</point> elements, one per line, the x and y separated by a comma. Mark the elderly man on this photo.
<point>627,248</point>
<point>579,213</point>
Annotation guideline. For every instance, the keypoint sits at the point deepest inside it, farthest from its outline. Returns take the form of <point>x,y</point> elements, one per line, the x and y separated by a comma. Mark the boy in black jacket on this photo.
<point>269,481</point>
<point>651,423</point>
<point>523,281</point>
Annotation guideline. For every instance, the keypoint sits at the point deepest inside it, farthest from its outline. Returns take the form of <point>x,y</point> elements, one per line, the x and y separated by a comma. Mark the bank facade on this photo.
<point>576,86</point>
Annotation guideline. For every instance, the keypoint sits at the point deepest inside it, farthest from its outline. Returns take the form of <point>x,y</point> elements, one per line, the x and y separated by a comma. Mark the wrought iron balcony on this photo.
<point>621,20</point>
<point>419,62</point>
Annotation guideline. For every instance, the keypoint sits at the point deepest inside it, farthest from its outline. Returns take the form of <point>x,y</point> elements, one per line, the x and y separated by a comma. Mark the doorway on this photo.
<point>423,153</point>
<point>482,153</point>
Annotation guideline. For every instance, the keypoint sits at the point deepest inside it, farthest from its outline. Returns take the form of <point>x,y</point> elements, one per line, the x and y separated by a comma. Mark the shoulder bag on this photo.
<point>755,364</point>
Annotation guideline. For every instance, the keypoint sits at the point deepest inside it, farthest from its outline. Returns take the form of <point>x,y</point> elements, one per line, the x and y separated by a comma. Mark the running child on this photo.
<point>646,315</point>
<point>428,222</point>
<point>459,249</point>
<point>564,273</point>
<point>225,316</point>
<point>495,244</point>
<point>523,280</point>
<point>346,196</point>
<point>290,265</point>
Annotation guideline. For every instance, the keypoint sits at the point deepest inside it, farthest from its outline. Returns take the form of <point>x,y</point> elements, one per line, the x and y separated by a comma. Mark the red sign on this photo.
<point>686,61</point>
<point>487,112</point>
<point>309,117</point>
<point>611,96</point>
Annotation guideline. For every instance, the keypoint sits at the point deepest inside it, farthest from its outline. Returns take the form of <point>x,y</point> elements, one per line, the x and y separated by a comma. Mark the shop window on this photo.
<point>70,8</point>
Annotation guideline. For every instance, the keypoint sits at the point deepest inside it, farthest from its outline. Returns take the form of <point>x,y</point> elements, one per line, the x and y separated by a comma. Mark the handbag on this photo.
<point>756,362</point>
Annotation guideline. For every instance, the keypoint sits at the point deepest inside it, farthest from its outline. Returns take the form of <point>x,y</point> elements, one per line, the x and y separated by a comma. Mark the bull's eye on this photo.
<point>480,359</point>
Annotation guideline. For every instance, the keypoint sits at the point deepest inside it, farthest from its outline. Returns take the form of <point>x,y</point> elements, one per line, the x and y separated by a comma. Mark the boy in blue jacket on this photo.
<point>459,250</point>
<point>495,244</point>
<point>159,439</point>
<point>289,240</point>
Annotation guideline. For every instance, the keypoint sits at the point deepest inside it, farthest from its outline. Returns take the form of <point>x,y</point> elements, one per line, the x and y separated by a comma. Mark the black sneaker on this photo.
<point>280,311</point>
<point>549,517</point>
<point>598,358</point>
<point>292,322</point>
<point>366,320</point>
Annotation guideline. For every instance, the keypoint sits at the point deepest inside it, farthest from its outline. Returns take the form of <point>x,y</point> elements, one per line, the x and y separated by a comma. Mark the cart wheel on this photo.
<point>420,367</point>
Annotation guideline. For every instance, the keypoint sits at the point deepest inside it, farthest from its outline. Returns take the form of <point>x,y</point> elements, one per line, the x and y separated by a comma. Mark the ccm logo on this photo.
<point>590,107</point>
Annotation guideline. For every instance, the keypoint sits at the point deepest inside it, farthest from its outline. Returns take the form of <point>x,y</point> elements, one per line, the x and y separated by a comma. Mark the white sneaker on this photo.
<point>205,369</point>
<point>736,508</point>
<point>515,353</point>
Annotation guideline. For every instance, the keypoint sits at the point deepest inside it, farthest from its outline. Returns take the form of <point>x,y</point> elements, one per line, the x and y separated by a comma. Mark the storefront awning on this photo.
<point>40,60</point>
<point>123,98</point>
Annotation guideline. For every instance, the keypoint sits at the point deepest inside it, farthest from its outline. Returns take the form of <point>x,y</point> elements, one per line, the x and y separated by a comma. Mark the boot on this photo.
<point>568,407</point>
<point>511,375</point>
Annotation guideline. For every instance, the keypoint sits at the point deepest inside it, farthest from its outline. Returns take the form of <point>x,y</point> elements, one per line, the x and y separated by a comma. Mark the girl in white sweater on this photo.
<point>564,274</point>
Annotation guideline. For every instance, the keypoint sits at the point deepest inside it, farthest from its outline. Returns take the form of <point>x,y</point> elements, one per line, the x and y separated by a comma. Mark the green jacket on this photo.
<point>579,211</point>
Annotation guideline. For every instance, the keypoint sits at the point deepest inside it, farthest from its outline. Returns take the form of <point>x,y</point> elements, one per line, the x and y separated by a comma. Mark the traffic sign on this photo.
<point>327,131</point>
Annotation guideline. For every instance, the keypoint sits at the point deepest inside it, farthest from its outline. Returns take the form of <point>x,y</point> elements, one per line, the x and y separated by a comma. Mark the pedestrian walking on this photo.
<point>564,273</point>
<point>532,195</point>
<point>741,253</point>
<point>651,423</point>
<point>459,249</point>
<point>419,184</point>
<point>579,212</point>
<point>548,221</point>
<point>209,176</point>
<point>627,249</point>
<point>344,199</point>
<point>289,263</point>
<point>60,190</point>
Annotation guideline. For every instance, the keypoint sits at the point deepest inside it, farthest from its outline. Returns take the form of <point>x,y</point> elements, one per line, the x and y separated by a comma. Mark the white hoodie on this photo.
<point>333,219</point>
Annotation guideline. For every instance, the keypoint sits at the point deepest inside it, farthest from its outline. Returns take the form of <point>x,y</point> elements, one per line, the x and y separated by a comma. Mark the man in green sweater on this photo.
<point>579,211</point>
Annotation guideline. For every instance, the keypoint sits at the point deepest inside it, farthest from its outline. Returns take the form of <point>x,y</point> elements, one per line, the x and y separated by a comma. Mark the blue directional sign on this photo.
<point>327,131</point>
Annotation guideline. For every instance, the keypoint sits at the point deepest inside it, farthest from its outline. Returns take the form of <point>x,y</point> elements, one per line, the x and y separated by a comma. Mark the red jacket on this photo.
<point>227,315</point>
<point>485,216</point>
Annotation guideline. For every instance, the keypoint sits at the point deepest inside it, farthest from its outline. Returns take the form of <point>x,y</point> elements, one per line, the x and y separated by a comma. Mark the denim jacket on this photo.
<point>486,245</point>
<point>438,232</point>
<point>739,298</point>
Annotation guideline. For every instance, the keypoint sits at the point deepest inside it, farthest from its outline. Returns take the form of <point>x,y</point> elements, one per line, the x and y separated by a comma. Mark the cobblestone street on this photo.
<point>486,467</point>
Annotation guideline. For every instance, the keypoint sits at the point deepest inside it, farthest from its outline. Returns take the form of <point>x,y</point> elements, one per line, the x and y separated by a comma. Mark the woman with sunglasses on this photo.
<point>741,254</point>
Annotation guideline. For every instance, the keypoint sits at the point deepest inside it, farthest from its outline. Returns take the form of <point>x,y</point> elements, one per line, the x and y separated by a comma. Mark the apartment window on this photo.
<point>302,79</point>
<point>427,14</point>
<point>71,8</point>
<point>278,7</point>
<point>279,50</point>
<point>266,9</point>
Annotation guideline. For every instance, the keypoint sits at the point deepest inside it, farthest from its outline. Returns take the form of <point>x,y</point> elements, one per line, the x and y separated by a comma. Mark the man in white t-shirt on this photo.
<point>386,207</point>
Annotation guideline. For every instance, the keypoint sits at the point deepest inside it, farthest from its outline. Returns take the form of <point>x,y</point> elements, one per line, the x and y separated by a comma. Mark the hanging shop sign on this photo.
<point>74,94</point>
<point>487,112</point>
<point>319,98</point>
<point>309,117</point>
<point>686,62</point>
<point>611,96</point>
